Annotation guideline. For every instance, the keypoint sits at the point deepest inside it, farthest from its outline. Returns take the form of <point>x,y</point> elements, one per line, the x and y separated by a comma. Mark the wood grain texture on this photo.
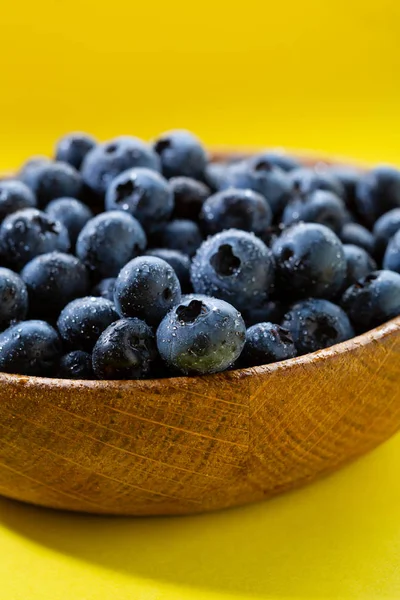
<point>188,445</point>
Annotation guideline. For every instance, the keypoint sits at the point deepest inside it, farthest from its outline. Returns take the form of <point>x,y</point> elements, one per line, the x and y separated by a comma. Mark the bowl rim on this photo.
<point>219,153</point>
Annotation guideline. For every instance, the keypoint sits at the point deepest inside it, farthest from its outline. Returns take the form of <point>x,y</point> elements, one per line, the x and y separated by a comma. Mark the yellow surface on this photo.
<point>338,539</point>
<point>310,73</point>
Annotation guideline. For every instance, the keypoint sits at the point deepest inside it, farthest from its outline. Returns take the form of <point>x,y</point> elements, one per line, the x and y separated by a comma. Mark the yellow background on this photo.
<point>317,74</point>
<point>314,73</point>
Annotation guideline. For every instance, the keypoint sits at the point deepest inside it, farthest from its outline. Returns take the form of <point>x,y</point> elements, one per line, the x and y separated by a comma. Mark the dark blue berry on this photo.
<point>236,209</point>
<point>201,335</point>
<point>189,196</point>
<point>310,261</point>
<point>353,233</point>
<point>348,177</point>
<point>72,148</point>
<point>30,348</point>
<point>105,288</point>
<point>147,287</point>
<point>179,234</point>
<point>144,194</point>
<point>13,298</point>
<point>181,154</point>
<point>320,207</point>
<point>105,161</point>
<point>391,259</point>
<point>359,264</point>
<point>279,159</point>
<point>83,320</point>
<point>51,180</point>
<point>267,343</point>
<point>14,195</point>
<point>76,365</point>
<point>52,281</point>
<point>216,175</point>
<point>373,300</point>
<point>378,191</point>
<point>315,324</point>
<point>235,266</point>
<point>262,177</point>
<point>72,213</point>
<point>108,241</point>
<point>305,180</point>
<point>269,311</point>
<point>384,229</point>
<point>125,350</point>
<point>31,165</point>
<point>179,262</point>
<point>30,232</point>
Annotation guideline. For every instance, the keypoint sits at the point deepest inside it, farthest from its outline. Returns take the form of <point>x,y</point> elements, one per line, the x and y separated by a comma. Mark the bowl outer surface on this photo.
<point>188,445</point>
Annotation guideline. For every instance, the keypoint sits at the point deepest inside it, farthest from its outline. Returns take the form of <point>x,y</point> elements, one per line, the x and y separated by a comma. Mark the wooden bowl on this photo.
<point>188,445</point>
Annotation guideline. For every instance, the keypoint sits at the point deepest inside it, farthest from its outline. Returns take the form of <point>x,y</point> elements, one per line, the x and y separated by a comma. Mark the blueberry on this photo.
<point>144,194</point>
<point>179,234</point>
<point>279,159</point>
<point>108,241</point>
<point>262,177</point>
<point>373,300</point>
<point>216,175</point>
<point>13,298</point>
<point>348,177</point>
<point>319,206</point>
<point>125,350</point>
<point>391,260</point>
<point>51,180</point>
<point>147,287</point>
<point>30,348</point>
<point>72,213</point>
<point>76,365</point>
<point>30,232</point>
<point>235,266</point>
<point>52,281</point>
<point>105,288</point>
<point>31,165</point>
<point>83,320</point>
<point>235,208</point>
<point>201,335</point>
<point>353,233</point>
<point>105,161</point>
<point>267,343</point>
<point>378,191</point>
<point>181,154</point>
<point>72,148</point>
<point>310,261</point>
<point>14,195</point>
<point>359,264</point>
<point>268,311</point>
<point>305,180</point>
<point>178,261</point>
<point>384,229</point>
<point>189,196</point>
<point>315,324</point>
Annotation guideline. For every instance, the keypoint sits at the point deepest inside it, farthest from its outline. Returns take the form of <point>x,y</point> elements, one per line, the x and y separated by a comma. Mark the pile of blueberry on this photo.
<point>126,260</point>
